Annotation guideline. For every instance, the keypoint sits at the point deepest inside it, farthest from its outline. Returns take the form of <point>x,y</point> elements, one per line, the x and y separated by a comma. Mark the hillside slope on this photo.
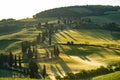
<point>112,76</point>
<point>78,11</point>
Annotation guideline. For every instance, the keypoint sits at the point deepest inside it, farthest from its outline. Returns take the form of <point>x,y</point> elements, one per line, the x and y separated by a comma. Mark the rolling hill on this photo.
<point>78,11</point>
<point>91,48</point>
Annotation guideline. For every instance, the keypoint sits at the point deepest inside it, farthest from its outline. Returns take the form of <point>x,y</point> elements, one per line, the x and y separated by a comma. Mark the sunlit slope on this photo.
<point>12,41</point>
<point>111,76</point>
<point>24,34</point>
<point>101,48</point>
<point>87,37</point>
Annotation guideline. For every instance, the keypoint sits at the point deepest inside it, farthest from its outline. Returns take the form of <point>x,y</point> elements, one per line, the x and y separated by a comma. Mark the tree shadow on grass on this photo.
<point>59,70</point>
<point>98,34</point>
<point>62,49</point>
<point>70,36</point>
<point>54,71</point>
<point>117,52</point>
<point>64,65</point>
<point>63,35</point>
<point>83,51</point>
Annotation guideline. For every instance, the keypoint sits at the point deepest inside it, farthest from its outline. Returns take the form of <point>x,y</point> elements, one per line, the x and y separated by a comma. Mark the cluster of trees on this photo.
<point>10,25</point>
<point>112,26</point>
<point>33,69</point>
<point>56,52</point>
<point>86,23</point>
<point>29,49</point>
<point>47,32</point>
<point>88,74</point>
<point>8,61</point>
<point>71,43</point>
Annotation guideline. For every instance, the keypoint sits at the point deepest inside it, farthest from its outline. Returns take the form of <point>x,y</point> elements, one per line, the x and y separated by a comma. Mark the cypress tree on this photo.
<point>15,61</point>
<point>30,53</point>
<point>39,25</point>
<point>36,54</point>
<point>10,59</point>
<point>54,50</point>
<point>57,51</point>
<point>19,59</point>
<point>33,69</point>
<point>49,40</point>
<point>44,71</point>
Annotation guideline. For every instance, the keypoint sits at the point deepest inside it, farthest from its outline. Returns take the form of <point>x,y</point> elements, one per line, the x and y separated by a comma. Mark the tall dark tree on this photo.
<point>57,51</point>
<point>10,59</point>
<point>33,69</point>
<point>50,36</point>
<point>65,21</point>
<point>49,40</point>
<point>54,51</point>
<point>58,22</point>
<point>25,45</point>
<point>44,71</point>
<point>20,62</point>
<point>39,25</point>
<point>30,53</point>
<point>38,39</point>
<point>43,37</point>
<point>36,52</point>
<point>15,61</point>
<point>47,54</point>
<point>3,59</point>
<point>46,24</point>
<point>112,27</point>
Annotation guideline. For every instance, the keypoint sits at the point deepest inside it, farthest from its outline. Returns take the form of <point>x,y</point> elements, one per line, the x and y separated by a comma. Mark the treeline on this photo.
<point>9,61</point>
<point>12,25</point>
<point>78,11</point>
<point>89,74</point>
<point>87,23</point>
<point>15,63</point>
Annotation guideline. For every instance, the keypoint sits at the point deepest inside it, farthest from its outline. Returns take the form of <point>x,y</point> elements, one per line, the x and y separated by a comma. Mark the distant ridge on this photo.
<point>78,11</point>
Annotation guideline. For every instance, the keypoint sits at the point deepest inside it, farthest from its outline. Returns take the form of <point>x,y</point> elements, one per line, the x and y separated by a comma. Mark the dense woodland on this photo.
<point>78,11</point>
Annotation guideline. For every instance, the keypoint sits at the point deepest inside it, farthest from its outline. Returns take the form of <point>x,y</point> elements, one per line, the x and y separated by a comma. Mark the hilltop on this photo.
<point>78,11</point>
<point>97,13</point>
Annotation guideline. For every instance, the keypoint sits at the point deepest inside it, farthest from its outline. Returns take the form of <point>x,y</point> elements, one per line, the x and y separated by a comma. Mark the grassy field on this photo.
<point>24,34</point>
<point>11,42</point>
<point>87,37</point>
<point>111,76</point>
<point>73,58</point>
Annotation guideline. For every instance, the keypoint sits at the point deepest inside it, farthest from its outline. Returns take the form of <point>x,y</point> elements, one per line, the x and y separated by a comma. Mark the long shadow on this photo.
<point>116,52</point>
<point>59,70</point>
<point>62,35</point>
<point>64,65</point>
<point>54,71</point>
<point>98,35</point>
<point>75,51</point>
<point>70,36</point>
<point>62,48</point>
